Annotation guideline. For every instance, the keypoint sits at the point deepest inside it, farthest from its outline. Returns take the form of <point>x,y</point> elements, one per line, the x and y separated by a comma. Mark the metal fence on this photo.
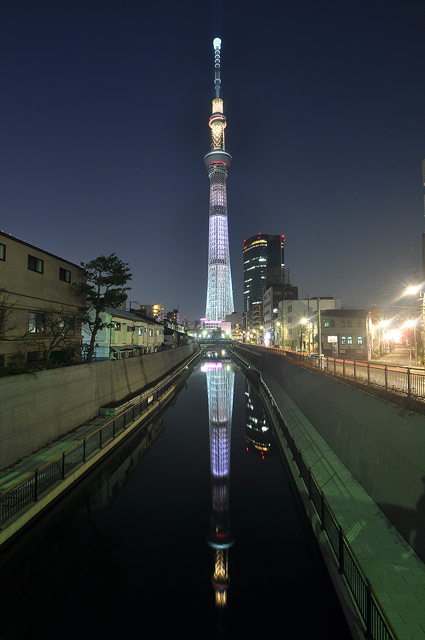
<point>407,381</point>
<point>377,625</point>
<point>28,490</point>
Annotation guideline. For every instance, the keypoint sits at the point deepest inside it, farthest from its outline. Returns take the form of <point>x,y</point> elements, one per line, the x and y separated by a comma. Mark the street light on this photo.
<point>415,290</point>
<point>381,326</point>
<point>278,334</point>
<point>412,324</point>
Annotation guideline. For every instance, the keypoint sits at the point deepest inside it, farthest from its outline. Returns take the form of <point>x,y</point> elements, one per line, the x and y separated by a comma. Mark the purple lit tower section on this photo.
<point>220,384</point>
<point>217,163</point>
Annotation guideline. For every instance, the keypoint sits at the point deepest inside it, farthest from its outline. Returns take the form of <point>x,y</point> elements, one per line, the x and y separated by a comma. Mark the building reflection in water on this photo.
<point>258,435</point>
<point>220,385</point>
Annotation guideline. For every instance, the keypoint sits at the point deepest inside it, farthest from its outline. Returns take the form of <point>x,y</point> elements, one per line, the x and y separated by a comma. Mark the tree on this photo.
<point>7,329</point>
<point>104,286</point>
<point>55,329</point>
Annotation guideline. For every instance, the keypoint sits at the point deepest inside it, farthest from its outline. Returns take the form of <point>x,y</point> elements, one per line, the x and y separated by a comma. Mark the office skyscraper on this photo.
<point>217,163</point>
<point>263,257</point>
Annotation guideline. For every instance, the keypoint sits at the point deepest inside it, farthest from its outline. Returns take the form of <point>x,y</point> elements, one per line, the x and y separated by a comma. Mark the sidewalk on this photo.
<point>396,573</point>
<point>26,466</point>
<point>398,358</point>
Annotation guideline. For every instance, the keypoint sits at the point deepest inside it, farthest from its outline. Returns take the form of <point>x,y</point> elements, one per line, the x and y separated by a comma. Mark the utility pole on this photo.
<point>319,350</point>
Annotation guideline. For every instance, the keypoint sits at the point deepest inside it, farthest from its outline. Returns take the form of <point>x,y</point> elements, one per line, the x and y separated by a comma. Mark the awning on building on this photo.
<point>124,347</point>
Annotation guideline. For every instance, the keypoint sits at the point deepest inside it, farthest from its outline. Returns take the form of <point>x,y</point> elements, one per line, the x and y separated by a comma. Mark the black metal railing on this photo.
<point>408,381</point>
<point>15,498</point>
<point>377,625</point>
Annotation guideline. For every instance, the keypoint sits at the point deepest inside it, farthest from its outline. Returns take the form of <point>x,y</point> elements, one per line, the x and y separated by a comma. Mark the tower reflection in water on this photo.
<point>220,384</point>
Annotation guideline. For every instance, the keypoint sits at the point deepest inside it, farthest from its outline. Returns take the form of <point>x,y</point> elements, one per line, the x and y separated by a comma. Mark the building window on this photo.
<point>118,326</point>
<point>327,323</point>
<point>360,340</point>
<point>290,332</point>
<point>64,275</point>
<point>343,340</point>
<point>34,356</point>
<point>68,323</point>
<point>342,323</point>
<point>35,264</point>
<point>350,340</point>
<point>150,333</point>
<point>332,323</point>
<point>36,323</point>
<point>349,322</point>
<point>140,331</point>
<point>290,308</point>
<point>359,322</point>
<point>2,251</point>
<point>3,316</point>
<point>130,328</point>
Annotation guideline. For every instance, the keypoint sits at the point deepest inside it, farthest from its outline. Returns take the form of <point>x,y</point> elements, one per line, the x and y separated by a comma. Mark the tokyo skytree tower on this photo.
<point>217,162</point>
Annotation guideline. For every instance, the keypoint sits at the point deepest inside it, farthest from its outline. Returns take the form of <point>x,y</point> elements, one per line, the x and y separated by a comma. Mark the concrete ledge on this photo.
<point>14,524</point>
<point>35,411</point>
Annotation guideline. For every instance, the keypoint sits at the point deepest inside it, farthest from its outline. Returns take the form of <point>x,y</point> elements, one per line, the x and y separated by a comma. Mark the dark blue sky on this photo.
<point>104,125</point>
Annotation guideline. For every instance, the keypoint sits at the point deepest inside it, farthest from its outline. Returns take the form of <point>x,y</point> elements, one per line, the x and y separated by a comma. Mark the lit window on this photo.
<point>35,264</point>
<point>350,340</point>
<point>64,275</point>
<point>36,323</point>
<point>343,340</point>
<point>2,251</point>
<point>118,326</point>
<point>360,340</point>
<point>326,323</point>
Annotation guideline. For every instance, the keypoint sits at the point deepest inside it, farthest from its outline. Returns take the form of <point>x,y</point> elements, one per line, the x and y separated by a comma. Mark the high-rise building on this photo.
<point>217,163</point>
<point>263,257</point>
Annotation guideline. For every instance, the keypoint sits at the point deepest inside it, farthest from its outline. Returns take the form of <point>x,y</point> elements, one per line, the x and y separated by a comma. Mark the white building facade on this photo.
<point>296,328</point>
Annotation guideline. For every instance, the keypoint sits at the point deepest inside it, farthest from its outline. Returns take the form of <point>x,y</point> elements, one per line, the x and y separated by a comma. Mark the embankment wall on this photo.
<point>382,445</point>
<point>37,410</point>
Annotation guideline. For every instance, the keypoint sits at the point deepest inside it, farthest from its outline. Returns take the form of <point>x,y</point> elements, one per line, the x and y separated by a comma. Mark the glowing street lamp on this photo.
<point>412,324</point>
<point>381,335</point>
<point>415,290</point>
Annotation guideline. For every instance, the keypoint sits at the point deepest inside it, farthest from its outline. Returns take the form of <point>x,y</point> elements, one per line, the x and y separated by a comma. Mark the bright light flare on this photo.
<point>413,289</point>
<point>394,334</point>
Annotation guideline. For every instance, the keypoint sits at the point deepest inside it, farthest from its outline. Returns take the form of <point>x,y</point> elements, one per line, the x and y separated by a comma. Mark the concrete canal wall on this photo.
<point>382,445</point>
<point>36,410</point>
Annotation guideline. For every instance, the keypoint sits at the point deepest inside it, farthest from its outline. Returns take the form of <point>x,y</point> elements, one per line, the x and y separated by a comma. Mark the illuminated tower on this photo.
<point>217,162</point>
<point>220,385</point>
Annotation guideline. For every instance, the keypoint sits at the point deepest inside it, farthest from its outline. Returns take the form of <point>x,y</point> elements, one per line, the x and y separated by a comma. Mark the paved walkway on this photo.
<point>399,357</point>
<point>30,463</point>
<point>396,573</point>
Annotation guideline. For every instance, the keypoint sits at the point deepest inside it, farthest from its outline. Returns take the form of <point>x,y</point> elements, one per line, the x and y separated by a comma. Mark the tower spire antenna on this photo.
<point>217,76</point>
<point>217,163</point>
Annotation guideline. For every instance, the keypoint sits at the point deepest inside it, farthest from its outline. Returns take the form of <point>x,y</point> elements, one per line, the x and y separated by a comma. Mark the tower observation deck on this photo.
<point>217,163</point>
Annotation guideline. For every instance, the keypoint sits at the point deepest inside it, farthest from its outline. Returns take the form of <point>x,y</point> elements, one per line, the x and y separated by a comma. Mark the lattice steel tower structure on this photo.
<point>217,162</point>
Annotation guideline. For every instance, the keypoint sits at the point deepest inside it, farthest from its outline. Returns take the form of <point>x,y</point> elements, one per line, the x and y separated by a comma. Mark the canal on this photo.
<point>188,530</point>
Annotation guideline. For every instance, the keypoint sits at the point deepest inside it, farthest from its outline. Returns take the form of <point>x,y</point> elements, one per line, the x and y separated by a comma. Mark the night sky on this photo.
<point>104,126</point>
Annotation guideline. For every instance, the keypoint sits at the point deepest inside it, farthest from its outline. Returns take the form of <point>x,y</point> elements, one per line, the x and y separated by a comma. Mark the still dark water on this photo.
<point>193,512</point>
